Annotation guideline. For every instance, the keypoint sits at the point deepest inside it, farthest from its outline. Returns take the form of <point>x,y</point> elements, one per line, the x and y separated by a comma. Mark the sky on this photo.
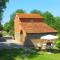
<point>52,6</point>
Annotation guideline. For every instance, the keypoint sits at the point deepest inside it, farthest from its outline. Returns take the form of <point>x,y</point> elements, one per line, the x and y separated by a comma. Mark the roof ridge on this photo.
<point>31,15</point>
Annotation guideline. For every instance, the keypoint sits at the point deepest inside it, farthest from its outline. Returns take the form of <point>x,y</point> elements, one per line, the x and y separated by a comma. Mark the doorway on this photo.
<point>48,45</point>
<point>21,36</point>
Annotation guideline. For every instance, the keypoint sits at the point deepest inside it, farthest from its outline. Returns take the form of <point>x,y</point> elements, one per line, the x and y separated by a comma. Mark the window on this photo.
<point>21,32</point>
<point>31,20</point>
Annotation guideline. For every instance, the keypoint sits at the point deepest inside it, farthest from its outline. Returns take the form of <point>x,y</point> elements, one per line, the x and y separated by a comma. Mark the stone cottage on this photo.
<point>29,28</point>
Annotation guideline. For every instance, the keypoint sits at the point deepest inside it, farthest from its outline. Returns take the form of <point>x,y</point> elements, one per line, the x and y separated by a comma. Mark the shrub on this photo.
<point>58,44</point>
<point>0,34</point>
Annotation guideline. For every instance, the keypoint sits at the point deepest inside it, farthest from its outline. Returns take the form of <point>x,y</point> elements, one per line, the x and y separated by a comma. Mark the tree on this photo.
<point>48,18</point>
<point>58,44</point>
<point>1,27</point>
<point>36,11</point>
<point>57,23</point>
<point>20,11</point>
<point>2,7</point>
<point>6,27</point>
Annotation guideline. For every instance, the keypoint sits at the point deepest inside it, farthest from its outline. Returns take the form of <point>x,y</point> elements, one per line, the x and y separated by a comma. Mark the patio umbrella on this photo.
<point>49,37</point>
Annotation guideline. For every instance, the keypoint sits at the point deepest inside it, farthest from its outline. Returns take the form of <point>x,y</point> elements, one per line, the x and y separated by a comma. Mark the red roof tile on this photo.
<point>29,15</point>
<point>35,27</point>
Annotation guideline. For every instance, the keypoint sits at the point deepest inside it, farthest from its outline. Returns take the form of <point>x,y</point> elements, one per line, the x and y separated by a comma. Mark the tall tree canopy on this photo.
<point>2,7</point>
<point>57,23</point>
<point>36,11</point>
<point>6,27</point>
<point>48,18</point>
<point>20,11</point>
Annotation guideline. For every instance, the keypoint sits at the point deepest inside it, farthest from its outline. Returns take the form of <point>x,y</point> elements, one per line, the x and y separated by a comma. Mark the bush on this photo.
<point>58,44</point>
<point>0,34</point>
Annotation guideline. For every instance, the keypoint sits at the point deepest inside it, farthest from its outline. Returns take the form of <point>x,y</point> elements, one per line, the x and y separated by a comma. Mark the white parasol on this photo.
<point>49,37</point>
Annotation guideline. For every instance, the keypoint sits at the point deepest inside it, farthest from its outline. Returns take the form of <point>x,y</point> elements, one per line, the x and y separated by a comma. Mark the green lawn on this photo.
<point>19,54</point>
<point>47,57</point>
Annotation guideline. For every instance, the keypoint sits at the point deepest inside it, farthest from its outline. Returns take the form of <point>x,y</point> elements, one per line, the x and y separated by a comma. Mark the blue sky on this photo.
<point>43,5</point>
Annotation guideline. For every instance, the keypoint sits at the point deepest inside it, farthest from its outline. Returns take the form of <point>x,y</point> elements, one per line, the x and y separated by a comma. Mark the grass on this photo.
<point>19,54</point>
<point>47,57</point>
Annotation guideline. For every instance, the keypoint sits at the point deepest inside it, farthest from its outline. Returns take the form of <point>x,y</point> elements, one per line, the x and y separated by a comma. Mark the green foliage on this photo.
<point>19,54</point>
<point>58,44</point>
<point>20,11</point>
<point>0,34</point>
<point>11,23</point>
<point>6,27</point>
<point>48,18</point>
<point>57,23</point>
<point>2,7</point>
<point>36,11</point>
<point>1,27</point>
<point>4,33</point>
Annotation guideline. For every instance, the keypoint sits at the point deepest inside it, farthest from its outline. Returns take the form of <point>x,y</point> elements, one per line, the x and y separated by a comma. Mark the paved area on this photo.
<point>8,42</point>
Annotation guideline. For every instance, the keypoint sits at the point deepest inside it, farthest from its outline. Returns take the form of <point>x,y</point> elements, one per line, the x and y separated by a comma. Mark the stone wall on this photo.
<point>17,36</point>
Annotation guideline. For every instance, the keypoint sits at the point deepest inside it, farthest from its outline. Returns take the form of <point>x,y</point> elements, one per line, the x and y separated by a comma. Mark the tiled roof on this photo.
<point>37,27</point>
<point>29,15</point>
